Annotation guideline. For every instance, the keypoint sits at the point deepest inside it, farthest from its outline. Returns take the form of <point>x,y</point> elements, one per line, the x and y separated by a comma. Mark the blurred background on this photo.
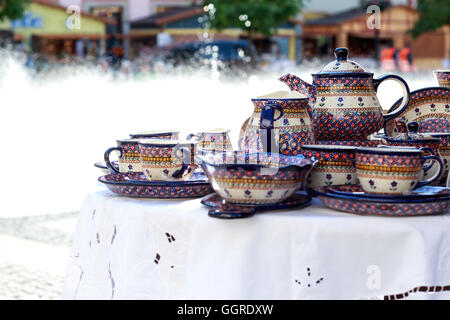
<point>77,74</point>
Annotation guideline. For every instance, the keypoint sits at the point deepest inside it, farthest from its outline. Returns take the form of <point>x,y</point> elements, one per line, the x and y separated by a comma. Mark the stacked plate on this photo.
<point>351,198</point>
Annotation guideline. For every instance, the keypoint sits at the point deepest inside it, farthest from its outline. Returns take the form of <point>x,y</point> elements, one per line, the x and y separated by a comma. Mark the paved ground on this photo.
<point>34,252</point>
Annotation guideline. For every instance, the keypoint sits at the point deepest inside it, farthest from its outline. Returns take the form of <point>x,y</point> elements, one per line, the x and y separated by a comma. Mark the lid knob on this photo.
<point>341,53</point>
<point>413,127</point>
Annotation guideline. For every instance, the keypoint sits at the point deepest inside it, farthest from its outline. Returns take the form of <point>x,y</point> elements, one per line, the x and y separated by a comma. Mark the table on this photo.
<point>127,248</point>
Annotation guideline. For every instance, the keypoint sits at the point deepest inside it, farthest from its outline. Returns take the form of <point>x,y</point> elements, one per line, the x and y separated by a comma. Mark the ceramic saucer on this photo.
<point>221,209</point>
<point>430,107</point>
<point>135,184</point>
<point>102,166</point>
<point>422,201</point>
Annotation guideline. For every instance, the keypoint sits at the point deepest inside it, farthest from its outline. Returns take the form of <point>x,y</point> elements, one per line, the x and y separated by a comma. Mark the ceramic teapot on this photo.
<point>280,123</point>
<point>343,98</point>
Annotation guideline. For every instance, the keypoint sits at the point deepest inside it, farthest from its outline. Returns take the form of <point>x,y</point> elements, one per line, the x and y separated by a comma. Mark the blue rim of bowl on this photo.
<point>148,183</point>
<point>322,192</point>
<point>388,151</point>
<point>255,166</point>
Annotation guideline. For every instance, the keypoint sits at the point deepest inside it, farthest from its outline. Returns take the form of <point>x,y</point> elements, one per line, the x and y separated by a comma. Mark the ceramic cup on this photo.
<point>167,160</point>
<point>156,134</point>
<point>129,160</point>
<point>393,170</point>
<point>335,165</point>
<point>443,78</point>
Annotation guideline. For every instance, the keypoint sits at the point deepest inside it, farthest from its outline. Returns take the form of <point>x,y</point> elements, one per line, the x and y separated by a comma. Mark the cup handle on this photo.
<point>436,176</point>
<point>191,135</point>
<point>406,94</point>
<point>186,167</point>
<point>108,162</point>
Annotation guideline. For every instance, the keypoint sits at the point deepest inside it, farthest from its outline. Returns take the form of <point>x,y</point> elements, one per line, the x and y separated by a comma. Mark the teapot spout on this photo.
<point>297,84</point>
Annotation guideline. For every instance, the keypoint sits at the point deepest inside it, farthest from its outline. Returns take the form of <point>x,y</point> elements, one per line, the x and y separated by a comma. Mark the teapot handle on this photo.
<point>406,94</point>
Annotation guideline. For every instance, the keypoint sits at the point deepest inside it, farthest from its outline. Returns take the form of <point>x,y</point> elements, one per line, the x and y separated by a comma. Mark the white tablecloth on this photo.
<point>127,248</point>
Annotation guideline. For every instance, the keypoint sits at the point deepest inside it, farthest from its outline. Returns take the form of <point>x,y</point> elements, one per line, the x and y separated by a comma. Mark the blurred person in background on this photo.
<point>387,59</point>
<point>405,59</point>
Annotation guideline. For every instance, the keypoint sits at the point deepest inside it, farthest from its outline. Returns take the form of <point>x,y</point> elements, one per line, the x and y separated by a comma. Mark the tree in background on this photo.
<point>432,15</point>
<point>12,9</point>
<point>253,16</point>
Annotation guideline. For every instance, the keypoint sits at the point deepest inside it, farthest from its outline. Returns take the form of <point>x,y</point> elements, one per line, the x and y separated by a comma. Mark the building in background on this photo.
<point>349,29</point>
<point>181,23</point>
<point>46,28</point>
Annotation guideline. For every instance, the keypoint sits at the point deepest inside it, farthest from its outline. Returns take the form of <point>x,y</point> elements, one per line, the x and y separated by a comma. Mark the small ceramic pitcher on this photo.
<point>212,141</point>
<point>280,123</point>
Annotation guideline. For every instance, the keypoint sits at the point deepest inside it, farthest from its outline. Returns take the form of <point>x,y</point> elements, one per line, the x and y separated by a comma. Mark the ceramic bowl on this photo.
<point>393,171</point>
<point>335,166</point>
<point>256,178</point>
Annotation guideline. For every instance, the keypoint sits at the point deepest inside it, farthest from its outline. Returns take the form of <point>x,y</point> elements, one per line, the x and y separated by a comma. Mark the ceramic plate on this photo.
<point>426,192</point>
<point>221,209</point>
<point>430,107</point>
<point>424,201</point>
<point>134,184</point>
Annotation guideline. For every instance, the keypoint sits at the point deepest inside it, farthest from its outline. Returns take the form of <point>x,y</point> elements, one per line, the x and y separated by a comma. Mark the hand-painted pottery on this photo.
<point>443,78</point>
<point>136,184</point>
<point>213,141</point>
<point>161,134</point>
<point>335,165</point>
<point>256,178</point>
<point>372,143</point>
<point>444,150</point>
<point>343,98</point>
<point>412,139</point>
<point>393,170</point>
<point>129,160</point>
<point>224,210</point>
<point>102,166</point>
<point>420,202</point>
<point>167,159</point>
<point>280,123</point>
<point>429,107</point>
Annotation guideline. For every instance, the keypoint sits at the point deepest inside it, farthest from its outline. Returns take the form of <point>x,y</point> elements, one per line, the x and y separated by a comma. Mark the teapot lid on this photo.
<point>341,64</point>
